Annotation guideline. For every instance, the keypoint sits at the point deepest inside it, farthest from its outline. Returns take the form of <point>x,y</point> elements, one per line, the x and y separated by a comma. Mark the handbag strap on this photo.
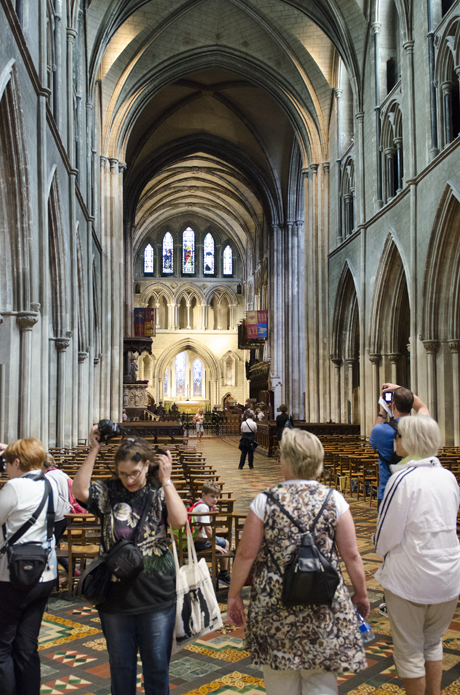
<point>291,518</point>
<point>47,495</point>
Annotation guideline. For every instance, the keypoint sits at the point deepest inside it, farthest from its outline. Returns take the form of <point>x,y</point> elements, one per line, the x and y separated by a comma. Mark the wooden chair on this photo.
<point>83,535</point>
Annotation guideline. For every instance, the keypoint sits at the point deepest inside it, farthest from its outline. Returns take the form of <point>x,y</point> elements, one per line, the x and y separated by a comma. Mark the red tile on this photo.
<point>103,671</point>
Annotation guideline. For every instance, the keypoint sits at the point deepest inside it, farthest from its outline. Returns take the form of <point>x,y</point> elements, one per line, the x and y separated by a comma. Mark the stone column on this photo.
<point>359,170</point>
<point>188,317</point>
<point>338,94</point>
<point>312,287</point>
<point>375,361</point>
<point>454,347</point>
<point>82,401</point>
<point>97,389</point>
<point>117,291</point>
<point>350,366</point>
<point>431,348</point>
<point>378,126</point>
<point>232,308</point>
<point>61,346</point>
<point>394,359</point>
<point>25,321</point>
<point>337,362</point>
<point>347,205</point>
<point>446,88</point>
<point>399,165</point>
<point>277,309</point>
<point>389,156</point>
<point>157,315</point>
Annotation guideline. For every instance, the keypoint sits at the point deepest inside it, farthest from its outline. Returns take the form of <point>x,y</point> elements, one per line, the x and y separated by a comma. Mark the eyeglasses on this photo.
<point>398,436</point>
<point>134,475</point>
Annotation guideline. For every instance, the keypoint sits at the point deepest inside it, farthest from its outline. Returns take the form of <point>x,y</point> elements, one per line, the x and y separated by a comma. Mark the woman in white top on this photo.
<point>21,612</point>
<point>302,648</point>
<point>417,536</point>
<point>248,441</point>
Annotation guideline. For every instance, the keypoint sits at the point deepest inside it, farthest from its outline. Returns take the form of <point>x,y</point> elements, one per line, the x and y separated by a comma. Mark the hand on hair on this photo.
<point>389,387</point>
<point>164,467</point>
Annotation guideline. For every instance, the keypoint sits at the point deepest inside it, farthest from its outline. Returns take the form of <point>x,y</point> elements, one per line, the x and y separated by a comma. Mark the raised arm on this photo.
<point>82,480</point>
<point>348,549</point>
<point>419,406</point>
<point>177,513</point>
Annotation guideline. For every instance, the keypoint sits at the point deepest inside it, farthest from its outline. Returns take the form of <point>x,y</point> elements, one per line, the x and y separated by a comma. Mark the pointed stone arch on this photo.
<point>187,344</point>
<point>157,290</point>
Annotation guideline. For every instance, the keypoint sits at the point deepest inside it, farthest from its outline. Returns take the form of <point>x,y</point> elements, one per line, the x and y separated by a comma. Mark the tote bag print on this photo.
<point>197,610</point>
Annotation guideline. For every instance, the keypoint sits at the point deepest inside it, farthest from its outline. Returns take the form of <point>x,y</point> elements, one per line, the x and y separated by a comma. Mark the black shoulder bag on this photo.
<point>27,561</point>
<point>394,458</point>
<point>309,579</point>
<point>124,560</point>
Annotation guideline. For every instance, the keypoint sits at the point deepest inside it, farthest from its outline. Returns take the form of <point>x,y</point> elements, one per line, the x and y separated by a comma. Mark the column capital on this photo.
<point>96,360</point>
<point>375,358</point>
<point>326,167</point>
<point>350,361</point>
<point>314,168</point>
<point>304,172</point>
<point>409,47</point>
<point>26,320</point>
<point>359,116</point>
<point>122,166</point>
<point>431,346</point>
<point>103,160</point>
<point>71,35</point>
<point>113,162</point>
<point>447,87</point>
<point>337,361</point>
<point>394,357</point>
<point>338,92</point>
<point>376,27</point>
<point>454,346</point>
<point>61,344</point>
<point>82,357</point>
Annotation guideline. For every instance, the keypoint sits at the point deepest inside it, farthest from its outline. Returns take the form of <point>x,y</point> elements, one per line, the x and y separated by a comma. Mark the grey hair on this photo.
<point>420,435</point>
<point>303,452</point>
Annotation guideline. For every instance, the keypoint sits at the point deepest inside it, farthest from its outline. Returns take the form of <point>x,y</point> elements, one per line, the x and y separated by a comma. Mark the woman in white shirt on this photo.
<point>248,441</point>
<point>417,536</point>
<point>21,612</point>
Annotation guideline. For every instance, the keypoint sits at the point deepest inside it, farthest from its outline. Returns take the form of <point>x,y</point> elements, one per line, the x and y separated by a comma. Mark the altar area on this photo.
<point>189,406</point>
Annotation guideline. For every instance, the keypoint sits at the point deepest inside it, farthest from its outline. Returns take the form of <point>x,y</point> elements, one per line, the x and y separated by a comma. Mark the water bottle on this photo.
<point>365,629</point>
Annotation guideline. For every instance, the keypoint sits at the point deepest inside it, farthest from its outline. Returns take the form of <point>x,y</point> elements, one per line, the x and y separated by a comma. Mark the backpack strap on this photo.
<point>47,495</point>
<point>291,518</point>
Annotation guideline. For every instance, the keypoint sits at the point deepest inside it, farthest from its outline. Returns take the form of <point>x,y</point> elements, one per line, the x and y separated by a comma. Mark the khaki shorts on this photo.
<point>417,630</point>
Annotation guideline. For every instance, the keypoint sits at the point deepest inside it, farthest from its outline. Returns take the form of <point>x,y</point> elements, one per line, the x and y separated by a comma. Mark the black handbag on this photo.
<point>124,560</point>
<point>309,579</point>
<point>28,561</point>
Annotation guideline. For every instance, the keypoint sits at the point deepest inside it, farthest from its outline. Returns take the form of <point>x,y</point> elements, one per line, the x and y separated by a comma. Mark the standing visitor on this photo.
<point>248,441</point>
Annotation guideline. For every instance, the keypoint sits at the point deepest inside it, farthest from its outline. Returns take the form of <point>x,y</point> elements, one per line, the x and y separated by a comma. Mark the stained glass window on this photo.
<point>166,381</point>
<point>188,251</point>
<point>168,252</point>
<point>208,250</point>
<point>148,259</point>
<point>180,374</point>
<point>228,260</point>
<point>197,372</point>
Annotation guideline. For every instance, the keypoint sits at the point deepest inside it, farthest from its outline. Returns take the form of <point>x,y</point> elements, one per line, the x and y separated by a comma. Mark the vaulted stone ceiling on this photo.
<point>211,102</point>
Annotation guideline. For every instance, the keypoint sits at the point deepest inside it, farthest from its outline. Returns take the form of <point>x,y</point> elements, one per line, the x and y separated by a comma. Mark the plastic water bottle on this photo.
<point>365,630</point>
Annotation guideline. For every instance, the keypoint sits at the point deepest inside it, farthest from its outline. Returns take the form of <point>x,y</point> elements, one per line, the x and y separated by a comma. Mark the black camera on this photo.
<point>108,430</point>
<point>2,464</point>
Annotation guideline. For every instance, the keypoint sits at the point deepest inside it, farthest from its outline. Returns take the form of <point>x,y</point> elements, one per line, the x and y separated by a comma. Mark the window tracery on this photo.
<point>168,253</point>
<point>208,255</point>
<point>148,259</point>
<point>228,260</point>
<point>188,251</point>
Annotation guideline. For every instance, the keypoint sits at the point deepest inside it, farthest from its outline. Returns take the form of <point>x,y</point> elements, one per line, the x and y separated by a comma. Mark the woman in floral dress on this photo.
<point>301,649</point>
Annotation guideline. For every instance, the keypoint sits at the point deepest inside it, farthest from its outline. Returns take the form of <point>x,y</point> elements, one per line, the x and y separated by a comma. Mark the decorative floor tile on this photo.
<point>449,661</point>
<point>229,655</point>
<point>381,648</point>
<point>86,610</point>
<point>46,670</point>
<point>391,671</point>
<point>55,631</point>
<point>98,644</point>
<point>103,670</point>
<point>63,685</point>
<point>71,658</point>
<point>232,683</point>
<point>188,669</point>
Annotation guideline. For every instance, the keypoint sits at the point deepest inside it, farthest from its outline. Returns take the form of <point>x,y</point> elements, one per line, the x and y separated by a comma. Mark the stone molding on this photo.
<point>26,320</point>
<point>431,346</point>
<point>82,357</point>
<point>374,358</point>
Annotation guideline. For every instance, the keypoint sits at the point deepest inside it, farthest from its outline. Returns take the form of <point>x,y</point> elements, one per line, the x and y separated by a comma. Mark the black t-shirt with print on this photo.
<point>119,511</point>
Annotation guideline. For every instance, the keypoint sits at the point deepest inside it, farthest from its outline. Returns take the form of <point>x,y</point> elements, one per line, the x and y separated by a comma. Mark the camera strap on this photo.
<point>47,495</point>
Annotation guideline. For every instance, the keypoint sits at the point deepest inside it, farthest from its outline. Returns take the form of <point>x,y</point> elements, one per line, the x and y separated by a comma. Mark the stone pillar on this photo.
<point>116,198</point>
<point>25,321</point>
<point>375,361</point>
<point>312,287</point>
<point>446,88</point>
<point>337,362</point>
<point>61,346</point>
<point>106,284</point>
<point>188,317</point>
<point>394,359</point>
<point>389,156</point>
<point>359,170</point>
<point>157,315</point>
<point>399,165</point>
<point>378,126</point>
<point>431,348</point>
<point>454,347</point>
<point>82,399</point>
<point>323,299</point>
<point>338,94</point>
<point>97,390</point>
<point>350,366</point>
<point>232,308</point>
<point>277,310</point>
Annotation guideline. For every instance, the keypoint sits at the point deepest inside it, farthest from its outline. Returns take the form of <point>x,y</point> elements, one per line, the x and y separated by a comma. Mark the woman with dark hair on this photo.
<point>281,421</point>
<point>21,612</point>
<point>138,614</point>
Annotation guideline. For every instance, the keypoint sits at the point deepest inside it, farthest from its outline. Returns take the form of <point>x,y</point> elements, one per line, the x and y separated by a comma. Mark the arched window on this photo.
<point>208,255</point>
<point>392,151</point>
<point>348,198</point>
<point>180,374</point>
<point>197,371</point>
<point>166,382</point>
<point>168,253</point>
<point>188,251</point>
<point>228,260</point>
<point>148,259</point>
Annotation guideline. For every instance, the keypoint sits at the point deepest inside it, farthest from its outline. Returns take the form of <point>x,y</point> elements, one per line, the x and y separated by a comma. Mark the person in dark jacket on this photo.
<point>281,421</point>
<point>248,440</point>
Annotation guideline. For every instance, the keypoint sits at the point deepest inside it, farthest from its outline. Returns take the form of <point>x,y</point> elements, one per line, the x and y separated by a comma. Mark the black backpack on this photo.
<point>394,458</point>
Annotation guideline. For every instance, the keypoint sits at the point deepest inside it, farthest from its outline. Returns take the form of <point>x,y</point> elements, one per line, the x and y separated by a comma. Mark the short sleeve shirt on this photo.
<point>382,438</point>
<point>119,511</point>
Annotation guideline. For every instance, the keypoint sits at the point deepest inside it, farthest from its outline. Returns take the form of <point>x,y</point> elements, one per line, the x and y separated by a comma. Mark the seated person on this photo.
<point>208,502</point>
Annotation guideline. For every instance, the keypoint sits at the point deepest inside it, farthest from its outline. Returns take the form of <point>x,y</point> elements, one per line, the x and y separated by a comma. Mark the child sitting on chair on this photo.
<point>208,502</point>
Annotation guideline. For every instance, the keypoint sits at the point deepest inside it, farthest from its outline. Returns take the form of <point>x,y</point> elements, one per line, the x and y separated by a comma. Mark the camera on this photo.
<point>388,396</point>
<point>2,464</point>
<point>108,429</point>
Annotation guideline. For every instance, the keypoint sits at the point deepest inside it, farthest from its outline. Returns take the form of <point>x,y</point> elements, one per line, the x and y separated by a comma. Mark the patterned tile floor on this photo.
<point>73,651</point>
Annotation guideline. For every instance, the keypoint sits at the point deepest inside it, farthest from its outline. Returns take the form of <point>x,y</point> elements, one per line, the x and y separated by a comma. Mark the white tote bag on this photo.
<point>197,611</point>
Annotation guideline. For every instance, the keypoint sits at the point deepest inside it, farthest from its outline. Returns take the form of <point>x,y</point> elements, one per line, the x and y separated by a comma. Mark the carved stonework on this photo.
<point>135,396</point>
<point>62,344</point>
<point>36,307</point>
<point>96,361</point>
<point>431,346</point>
<point>26,320</point>
<point>375,358</point>
<point>454,346</point>
<point>394,357</point>
<point>82,357</point>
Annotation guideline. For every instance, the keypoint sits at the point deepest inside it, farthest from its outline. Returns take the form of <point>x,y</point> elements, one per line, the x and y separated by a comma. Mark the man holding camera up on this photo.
<point>382,437</point>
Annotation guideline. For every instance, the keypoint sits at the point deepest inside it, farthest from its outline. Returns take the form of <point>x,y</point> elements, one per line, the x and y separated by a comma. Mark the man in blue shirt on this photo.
<point>383,434</point>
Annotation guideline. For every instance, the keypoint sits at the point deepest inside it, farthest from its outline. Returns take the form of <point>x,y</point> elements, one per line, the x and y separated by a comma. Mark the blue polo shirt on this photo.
<point>382,438</point>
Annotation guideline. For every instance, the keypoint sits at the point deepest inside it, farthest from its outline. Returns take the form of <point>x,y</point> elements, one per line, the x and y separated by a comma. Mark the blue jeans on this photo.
<point>150,633</point>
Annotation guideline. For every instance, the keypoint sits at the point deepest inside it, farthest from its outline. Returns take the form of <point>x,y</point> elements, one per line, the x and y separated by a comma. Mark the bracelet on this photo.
<point>167,483</point>
<point>384,417</point>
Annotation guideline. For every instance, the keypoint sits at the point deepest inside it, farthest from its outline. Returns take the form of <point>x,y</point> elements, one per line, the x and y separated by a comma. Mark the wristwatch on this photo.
<point>384,417</point>
<point>167,483</point>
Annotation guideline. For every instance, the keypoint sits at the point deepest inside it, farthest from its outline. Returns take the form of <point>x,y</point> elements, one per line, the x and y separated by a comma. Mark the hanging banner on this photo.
<point>262,323</point>
<point>252,324</point>
<point>139,320</point>
<point>150,322</point>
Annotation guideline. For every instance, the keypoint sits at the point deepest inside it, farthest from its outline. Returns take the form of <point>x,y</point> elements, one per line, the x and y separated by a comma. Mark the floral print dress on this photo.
<point>304,637</point>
